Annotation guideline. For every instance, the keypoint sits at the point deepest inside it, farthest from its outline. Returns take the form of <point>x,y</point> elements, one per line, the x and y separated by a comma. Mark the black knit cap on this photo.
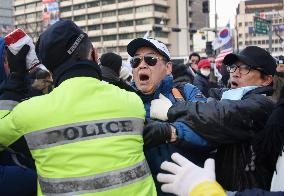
<point>255,57</point>
<point>112,61</point>
<point>57,44</point>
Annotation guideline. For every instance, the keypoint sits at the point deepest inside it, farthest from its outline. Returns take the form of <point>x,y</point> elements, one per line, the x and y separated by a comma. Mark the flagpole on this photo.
<point>215,18</point>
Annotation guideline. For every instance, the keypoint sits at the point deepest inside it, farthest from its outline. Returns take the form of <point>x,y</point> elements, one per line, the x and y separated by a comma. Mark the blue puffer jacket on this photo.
<point>189,144</point>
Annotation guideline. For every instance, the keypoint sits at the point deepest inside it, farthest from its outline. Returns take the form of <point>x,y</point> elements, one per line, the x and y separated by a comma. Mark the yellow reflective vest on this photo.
<point>86,139</point>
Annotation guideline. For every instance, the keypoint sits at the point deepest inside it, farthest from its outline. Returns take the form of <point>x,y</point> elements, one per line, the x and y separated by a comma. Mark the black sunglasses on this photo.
<point>148,58</point>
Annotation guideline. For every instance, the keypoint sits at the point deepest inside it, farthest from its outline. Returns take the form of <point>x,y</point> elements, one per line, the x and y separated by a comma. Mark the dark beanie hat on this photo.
<point>57,44</point>
<point>255,57</point>
<point>112,61</point>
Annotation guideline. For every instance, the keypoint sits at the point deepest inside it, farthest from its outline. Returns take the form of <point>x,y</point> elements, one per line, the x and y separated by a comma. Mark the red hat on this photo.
<point>204,63</point>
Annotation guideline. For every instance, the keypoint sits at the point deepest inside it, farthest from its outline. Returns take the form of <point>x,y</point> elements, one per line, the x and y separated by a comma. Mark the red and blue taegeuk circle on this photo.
<point>224,33</point>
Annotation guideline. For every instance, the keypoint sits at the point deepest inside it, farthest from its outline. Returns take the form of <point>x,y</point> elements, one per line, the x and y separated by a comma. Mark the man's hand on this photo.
<point>17,63</point>
<point>156,133</point>
<point>185,175</point>
<point>159,108</point>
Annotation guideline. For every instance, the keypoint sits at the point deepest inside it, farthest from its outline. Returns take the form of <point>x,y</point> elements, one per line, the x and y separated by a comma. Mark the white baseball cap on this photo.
<point>135,44</point>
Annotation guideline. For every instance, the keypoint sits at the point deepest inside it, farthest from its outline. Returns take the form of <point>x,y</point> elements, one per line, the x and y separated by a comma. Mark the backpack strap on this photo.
<point>177,95</point>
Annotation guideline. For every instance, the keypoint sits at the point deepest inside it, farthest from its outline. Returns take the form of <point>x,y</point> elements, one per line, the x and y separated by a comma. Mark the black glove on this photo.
<point>156,133</point>
<point>17,63</point>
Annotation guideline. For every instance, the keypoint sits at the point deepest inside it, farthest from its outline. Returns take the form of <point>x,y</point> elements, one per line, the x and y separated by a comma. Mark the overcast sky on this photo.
<point>226,9</point>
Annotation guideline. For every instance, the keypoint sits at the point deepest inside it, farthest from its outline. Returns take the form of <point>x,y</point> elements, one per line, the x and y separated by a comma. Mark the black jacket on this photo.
<point>258,192</point>
<point>232,125</point>
<point>202,83</point>
<point>111,77</point>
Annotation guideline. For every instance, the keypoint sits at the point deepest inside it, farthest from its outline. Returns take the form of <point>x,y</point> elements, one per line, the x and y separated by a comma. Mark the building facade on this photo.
<point>245,35</point>
<point>6,20</point>
<point>112,24</point>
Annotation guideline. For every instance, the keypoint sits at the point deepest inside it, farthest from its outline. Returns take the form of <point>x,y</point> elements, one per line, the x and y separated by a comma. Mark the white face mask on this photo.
<point>205,72</point>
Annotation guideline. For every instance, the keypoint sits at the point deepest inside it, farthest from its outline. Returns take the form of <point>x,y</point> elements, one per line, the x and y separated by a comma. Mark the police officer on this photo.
<point>84,139</point>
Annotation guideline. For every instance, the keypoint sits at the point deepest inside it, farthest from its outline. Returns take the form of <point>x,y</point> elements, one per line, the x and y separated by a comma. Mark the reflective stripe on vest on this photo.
<point>96,183</point>
<point>66,134</point>
<point>7,104</point>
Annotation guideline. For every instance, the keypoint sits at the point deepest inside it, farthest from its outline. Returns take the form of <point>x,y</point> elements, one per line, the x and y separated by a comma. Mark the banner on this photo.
<point>50,14</point>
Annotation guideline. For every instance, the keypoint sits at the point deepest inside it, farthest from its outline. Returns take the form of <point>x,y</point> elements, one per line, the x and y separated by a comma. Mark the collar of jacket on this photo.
<point>82,68</point>
<point>265,90</point>
<point>165,87</point>
<point>109,75</point>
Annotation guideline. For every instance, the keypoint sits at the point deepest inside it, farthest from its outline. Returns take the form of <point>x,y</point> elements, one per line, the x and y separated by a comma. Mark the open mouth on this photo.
<point>234,84</point>
<point>144,77</point>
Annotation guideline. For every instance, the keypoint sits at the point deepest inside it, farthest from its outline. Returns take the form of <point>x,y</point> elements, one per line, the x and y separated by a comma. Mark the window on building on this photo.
<point>158,21</point>
<point>111,49</point>
<point>108,14</point>
<point>119,1</point>
<point>107,2</point>
<point>161,34</point>
<point>21,7</point>
<point>161,9</point>
<point>95,39</point>
<point>94,16</point>
<point>109,25</point>
<point>20,18</point>
<point>263,42</point>
<point>127,23</point>
<point>246,23</point>
<point>240,35</point>
<point>65,9</point>
<point>93,4</point>
<point>30,5</point>
<point>32,15</point>
<point>144,21</point>
<point>79,18</point>
<point>145,8</point>
<point>67,18</point>
<point>94,27</point>
<point>140,34</point>
<point>109,37</point>
<point>126,36</point>
<point>125,11</point>
<point>259,42</point>
<point>79,6</point>
<point>240,43</point>
<point>240,24</point>
<point>122,48</point>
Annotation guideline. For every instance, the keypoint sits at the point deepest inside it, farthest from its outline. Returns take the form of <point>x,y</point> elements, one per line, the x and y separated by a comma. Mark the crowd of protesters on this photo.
<point>89,125</point>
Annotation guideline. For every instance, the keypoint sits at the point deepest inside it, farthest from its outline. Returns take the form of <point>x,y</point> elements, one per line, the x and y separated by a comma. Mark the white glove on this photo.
<point>159,108</point>
<point>185,175</point>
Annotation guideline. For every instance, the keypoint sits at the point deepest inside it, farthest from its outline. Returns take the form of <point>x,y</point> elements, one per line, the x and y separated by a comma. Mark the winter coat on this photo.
<point>189,144</point>
<point>182,74</point>
<point>203,83</point>
<point>232,124</point>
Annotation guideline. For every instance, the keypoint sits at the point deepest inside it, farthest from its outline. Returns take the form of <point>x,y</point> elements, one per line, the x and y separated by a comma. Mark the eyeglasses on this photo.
<point>149,59</point>
<point>243,69</point>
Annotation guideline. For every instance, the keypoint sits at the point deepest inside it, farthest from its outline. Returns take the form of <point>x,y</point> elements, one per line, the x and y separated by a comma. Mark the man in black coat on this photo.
<point>235,118</point>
